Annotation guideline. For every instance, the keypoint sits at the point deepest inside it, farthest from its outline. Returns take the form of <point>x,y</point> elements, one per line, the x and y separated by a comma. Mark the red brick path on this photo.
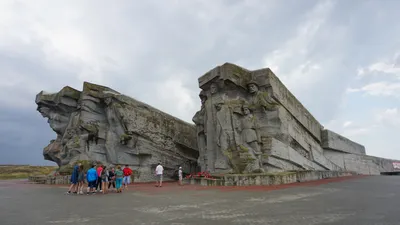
<point>174,187</point>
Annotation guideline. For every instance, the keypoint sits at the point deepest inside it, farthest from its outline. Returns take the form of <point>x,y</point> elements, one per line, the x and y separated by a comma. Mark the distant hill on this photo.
<point>23,171</point>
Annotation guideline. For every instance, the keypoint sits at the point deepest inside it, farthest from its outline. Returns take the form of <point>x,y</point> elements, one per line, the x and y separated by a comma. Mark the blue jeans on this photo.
<point>127,180</point>
<point>118,183</point>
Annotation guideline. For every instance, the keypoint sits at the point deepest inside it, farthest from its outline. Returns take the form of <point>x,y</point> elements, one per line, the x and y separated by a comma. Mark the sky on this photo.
<point>341,59</point>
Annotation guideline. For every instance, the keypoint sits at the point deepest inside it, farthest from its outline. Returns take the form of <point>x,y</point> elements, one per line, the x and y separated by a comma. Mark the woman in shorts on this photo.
<point>104,179</point>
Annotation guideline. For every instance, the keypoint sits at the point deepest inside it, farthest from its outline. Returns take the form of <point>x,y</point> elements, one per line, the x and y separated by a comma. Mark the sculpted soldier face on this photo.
<point>246,111</point>
<point>218,106</point>
<point>213,88</point>
<point>252,88</point>
<point>203,99</point>
<point>57,121</point>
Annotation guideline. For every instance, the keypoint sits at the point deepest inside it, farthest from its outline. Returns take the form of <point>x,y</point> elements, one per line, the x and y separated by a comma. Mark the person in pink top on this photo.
<point>99,170</point>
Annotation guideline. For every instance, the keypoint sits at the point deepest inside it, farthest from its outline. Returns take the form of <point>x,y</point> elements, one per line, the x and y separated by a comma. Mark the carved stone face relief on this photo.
<point>246,111</point>
<point>213,88</point>
<point>108,101</point>
<point>203,100</point>
<point>203,97</point>
<point>44,111</point>
<point>253,88</point>
<point>218,106</point>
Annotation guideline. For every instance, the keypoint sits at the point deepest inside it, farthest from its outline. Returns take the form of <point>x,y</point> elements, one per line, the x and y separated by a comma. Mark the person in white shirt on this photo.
<point>159,174</point>
<point>180,175</point>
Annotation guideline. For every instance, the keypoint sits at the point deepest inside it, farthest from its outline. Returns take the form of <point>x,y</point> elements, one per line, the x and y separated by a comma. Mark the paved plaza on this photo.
<point>362,200</point>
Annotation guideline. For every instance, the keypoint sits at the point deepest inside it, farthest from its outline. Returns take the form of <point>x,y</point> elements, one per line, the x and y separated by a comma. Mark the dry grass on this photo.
<point>23,171</point>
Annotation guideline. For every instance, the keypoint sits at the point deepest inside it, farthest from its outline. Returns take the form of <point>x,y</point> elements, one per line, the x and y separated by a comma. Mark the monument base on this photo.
<point>266,178</point>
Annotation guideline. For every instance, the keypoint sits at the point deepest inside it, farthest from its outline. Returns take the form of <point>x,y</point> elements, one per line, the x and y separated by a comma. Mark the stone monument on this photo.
<point>248,122</point>
<point>100,124</point>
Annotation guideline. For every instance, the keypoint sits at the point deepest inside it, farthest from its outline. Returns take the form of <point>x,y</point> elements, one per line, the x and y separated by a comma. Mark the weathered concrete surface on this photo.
<point>249,121</point>
<point>266,179</point>
<point>334,141</point>
<point>290,102</point>
<point>362,164</point>
<point>100,124</point>
<point>242,111</point>
<point>367,201</point>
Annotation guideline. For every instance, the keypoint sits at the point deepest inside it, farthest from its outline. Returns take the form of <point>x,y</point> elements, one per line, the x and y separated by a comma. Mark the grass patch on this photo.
<point>24,171</point>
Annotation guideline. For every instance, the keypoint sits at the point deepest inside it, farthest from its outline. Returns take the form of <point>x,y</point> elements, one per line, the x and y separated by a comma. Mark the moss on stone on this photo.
<point>92,128</point>
<point>77,142</point>
<point>86,164</point>
<point>65,170</point>
<point>125,137</point>
<point>243,148</point>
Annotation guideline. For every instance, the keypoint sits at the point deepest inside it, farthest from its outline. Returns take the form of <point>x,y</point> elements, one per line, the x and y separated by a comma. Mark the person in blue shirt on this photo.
<point>91,177</point>
<point>74,179</point>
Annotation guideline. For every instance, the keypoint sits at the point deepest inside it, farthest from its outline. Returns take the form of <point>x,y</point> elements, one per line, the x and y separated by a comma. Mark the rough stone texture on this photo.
<point>334,141</point>
<point>100,124</point>
<point>250,122</point>
<point>249,115</point>
<point>363,164</point>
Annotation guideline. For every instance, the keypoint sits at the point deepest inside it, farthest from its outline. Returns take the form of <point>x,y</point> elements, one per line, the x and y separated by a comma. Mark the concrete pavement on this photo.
<point>365,200</point>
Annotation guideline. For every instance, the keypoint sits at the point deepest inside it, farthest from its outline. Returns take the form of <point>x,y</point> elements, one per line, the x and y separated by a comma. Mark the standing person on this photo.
<point>111,178</point>
<point>104,179</point>
<point>127,176</point>
<point>99,170</point>
<point>81,180</point>
<point>74,179</point>
<point>180,175</point>
<point>159,174</point>
<point>91,177</point>
<point>118,178</point>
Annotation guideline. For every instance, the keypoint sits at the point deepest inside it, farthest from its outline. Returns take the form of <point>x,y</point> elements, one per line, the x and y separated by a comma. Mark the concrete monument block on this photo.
<point>100,124</point>
<point>334,141</point>
<point>244,115</point>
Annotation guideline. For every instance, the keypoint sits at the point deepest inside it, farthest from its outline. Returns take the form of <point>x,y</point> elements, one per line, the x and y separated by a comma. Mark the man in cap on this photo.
<point>258,98</point>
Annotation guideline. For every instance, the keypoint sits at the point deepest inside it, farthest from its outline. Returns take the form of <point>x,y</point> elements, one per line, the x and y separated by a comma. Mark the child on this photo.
<point>91,177</point>
<point>104,179</point>
<point>127,176</point>
<point>119,175</point>
<point>81,180</point>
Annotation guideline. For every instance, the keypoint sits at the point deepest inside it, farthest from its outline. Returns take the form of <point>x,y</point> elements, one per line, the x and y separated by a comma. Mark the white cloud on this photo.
<point>386,66</point>
<point>154,51</point>
<point>389,117</point>
<point>291,61</point>
<point>347,124</point>
<point>379,89</point>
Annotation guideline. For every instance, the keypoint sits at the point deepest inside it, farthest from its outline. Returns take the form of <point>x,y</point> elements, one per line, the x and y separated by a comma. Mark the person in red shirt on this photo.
<point>127,176</point>
<point>98,183</point>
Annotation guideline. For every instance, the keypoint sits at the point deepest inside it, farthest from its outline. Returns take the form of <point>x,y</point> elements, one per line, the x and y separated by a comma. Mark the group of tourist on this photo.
<point>100,178</point>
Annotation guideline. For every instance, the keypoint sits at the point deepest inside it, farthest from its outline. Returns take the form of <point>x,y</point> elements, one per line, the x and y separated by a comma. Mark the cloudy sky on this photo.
<point>340,58</point>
